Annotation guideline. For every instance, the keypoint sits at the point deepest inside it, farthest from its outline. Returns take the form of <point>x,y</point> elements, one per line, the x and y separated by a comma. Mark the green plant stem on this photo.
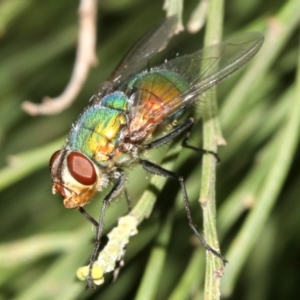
<point>26,163</point>
<point>174,7</point>
<point>9,11</point>
<point>285,147</point>
<point>281,26</point>
<point>198,17</point>
<point>20,252</point>
<point>48,285</point>
<point>153,273</point>
<point>211,138</point>
<point>242,198</point>
<point>191,277</point>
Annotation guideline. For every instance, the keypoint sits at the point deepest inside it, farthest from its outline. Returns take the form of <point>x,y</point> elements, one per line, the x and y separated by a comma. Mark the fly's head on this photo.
<point>75,177</point>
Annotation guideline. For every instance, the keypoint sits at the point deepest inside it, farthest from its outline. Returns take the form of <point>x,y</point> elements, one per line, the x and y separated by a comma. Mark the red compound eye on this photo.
<point>53,158</point>
<point>81,168</point>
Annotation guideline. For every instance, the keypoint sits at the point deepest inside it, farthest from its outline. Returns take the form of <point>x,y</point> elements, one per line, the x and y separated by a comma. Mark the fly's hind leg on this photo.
<point>184,127</point>
<point>155,169</point>
<point>185,144</point>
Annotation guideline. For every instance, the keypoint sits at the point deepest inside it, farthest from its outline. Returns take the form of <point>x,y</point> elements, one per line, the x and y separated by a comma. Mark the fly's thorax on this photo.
<point>76,177</point>
<point>98,130</point>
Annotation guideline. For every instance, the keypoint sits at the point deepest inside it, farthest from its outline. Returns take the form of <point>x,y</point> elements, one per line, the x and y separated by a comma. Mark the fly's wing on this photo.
<point>154,41</point>
<point>192,75</point>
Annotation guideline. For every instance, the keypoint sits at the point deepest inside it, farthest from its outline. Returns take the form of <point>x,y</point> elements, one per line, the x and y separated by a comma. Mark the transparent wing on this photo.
<point>200,71</point>
<point>154,41</point>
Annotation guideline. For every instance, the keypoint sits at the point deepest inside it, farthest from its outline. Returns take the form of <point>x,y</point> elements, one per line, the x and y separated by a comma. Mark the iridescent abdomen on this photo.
<point>156,91</point>
<point>97,131</point>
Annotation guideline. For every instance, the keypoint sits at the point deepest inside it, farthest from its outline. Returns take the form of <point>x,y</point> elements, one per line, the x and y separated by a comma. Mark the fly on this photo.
<point>133,113</point>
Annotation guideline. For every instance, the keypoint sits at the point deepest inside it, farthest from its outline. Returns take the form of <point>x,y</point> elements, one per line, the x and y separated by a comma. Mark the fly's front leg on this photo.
<point>114,193</point>
<point>155,169</point>
<point>88,216</point>
<point>93,221</point>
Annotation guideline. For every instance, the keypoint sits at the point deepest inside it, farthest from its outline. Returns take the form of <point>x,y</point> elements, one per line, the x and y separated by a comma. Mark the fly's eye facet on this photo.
<point>53,158</point>
<point>81,168</point>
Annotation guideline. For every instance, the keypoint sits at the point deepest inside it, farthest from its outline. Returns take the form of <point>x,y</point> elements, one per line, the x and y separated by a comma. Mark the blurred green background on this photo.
<point>42,244</point>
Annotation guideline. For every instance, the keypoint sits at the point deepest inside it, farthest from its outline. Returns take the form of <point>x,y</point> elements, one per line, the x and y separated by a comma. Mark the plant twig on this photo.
<point>175,7</point>
<point>85,59</point>
<point>198,17</point>
<point>211,138</point>
<point>119,235</point>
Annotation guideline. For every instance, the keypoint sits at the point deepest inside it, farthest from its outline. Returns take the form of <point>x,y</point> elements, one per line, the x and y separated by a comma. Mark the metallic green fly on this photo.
<point>133,113</point>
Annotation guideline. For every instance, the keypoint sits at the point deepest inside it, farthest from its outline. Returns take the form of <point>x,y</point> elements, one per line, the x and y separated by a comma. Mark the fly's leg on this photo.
<point>128,201</point>
<point>88,217</point>
<point>203,151</point>
<point>115,192</point>
<point>185,127</point>
<point>93,221</point>
<point>155,169</point>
